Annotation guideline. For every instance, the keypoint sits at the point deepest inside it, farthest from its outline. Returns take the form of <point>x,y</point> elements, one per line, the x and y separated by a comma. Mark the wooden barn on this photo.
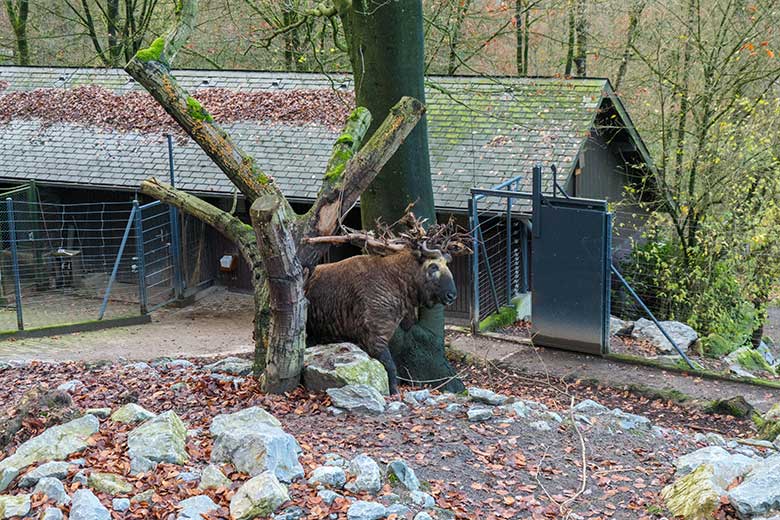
<point>92,134</point>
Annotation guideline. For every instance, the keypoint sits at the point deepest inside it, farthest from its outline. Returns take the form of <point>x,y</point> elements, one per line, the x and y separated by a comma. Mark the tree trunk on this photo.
<point>571,40</point>
<point>17,15</point>
<point>386,51</point>
<point>581,29</point>
<point>112,21</point>
<point>635,12</point>
<point>461,9</point>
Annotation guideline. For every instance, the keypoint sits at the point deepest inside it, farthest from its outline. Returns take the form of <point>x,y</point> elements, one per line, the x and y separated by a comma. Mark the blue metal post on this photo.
<point>536,193</point>
<point>140,257</point>
<point>509,246</point>
<point>178,281</point>
<point>524,257</point>
<point>9,205</point>
<point>119,254</point>
<point>474,217</point>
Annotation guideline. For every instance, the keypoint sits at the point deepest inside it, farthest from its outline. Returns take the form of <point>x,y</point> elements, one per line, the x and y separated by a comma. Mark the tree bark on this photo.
<point>17,15</point>
<point>581,29</point>
<point>386,51</point>
<point>571,39</point>
<point>635,12</point>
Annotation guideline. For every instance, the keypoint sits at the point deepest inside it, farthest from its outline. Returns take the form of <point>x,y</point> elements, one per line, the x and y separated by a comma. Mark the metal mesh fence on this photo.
<point>57,260</point>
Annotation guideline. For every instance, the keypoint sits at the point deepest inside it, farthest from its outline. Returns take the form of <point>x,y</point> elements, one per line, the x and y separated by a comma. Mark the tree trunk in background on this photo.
<point>634,13</point>
<point>386,51</point>
<point>114,44</point>
<point>581,30</point>
<point>522,69</point>
<point>455,34</point>
<point>570,41</point>
<point>18,11</point>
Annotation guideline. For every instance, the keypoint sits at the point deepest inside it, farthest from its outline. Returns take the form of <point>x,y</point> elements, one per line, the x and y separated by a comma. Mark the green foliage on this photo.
<point>196,110</point>
<point>153,52</point>
<point>505,317</point>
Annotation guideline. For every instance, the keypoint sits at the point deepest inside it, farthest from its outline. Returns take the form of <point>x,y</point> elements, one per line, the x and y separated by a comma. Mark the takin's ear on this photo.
<point>418,255</point>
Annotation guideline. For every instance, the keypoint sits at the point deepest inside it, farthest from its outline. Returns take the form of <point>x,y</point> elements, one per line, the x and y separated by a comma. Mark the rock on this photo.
<point>401,471</point>
<point>189,476</point>
<point>590,407</point>
<point>101,413</point>
<point>422,499</point>
<point>52,513</point>
<point>161,439</point>
<point>454,408</point>
<point>259,496</point>
<point>140,366</point>
<point>120,504</point>
<point>769,424</point>
<point>223,378</point>
<point>367,475</point>
<point>86,506</point>
<point>618,327</point>
<point>13,506</point>
<point>342,364</point>
<point>417,397</point>
<point>396,407</point>
<point>479,414</point>
<point>362,510</point>
<point>725,466</point>
<point>291,513</point>
<point>738,371</point>
<point>541,426</point>
<point>145,496</point>
<point>759,492</point>
<point>630,421</point>
<point>7,476</point>
<point>80,478</point>
<point>254,443</point>
<point>482,395</point>
<point>57,470</point>
<point>231,365</point>
<point>695,496</point>
<point>52,488</point>
<point>109,483</point>
<point>332,476</point>
<point>683,335</point>
<point>178,364</point>
<point>70,386</point>
<point>748,359</point>
<point>132,413</point>
<point>192,508</point>
<point>55,443</point>
<point>401,510</point>
<point>766,353</point>
<point>358,399</point>
<point>328,496</point>
<point>212,477</point>
<point>334,459</point>
<point>335,412</point>
<point>422,515</point>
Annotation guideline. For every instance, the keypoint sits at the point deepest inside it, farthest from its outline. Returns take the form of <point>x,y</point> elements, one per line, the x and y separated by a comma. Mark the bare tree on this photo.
<point>632,32</point>
<point>18,11</point>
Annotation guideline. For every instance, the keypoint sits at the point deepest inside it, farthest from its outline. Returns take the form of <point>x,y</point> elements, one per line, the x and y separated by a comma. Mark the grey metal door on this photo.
<point>570,265</point>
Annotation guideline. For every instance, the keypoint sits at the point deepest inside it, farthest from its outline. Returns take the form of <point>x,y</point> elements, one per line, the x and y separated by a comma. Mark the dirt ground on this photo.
<point>220,323</point>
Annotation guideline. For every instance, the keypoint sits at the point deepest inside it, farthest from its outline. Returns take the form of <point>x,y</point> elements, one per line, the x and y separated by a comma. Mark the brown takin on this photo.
<point>365,298</point>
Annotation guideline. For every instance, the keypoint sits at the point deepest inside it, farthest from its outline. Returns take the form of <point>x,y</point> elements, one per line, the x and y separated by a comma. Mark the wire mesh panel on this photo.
<point>57,260</point>
<point>156,250</point>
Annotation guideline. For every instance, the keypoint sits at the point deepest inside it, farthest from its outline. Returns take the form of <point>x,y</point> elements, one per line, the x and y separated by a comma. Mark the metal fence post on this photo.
<point>537,201</point>
<point>509,246</point>
<point>9,205</point>
<point>178,280</point>
<point>140,257</point>
<point>473,216</point>
<point>115,269</point>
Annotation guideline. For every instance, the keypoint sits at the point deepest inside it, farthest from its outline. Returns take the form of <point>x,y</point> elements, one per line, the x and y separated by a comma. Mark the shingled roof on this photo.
<point>482,131</point>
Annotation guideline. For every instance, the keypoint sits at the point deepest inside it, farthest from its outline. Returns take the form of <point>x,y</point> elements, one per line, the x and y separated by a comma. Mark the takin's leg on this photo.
<point>386,359</point>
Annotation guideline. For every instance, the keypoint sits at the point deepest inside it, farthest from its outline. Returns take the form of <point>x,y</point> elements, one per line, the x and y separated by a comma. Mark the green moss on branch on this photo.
<point>196,110</point>
<point>153,52</point>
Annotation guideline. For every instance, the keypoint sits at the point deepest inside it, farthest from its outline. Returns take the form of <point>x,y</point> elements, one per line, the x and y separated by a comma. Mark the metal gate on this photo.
<point>157,252</point>
<point>570,264</point>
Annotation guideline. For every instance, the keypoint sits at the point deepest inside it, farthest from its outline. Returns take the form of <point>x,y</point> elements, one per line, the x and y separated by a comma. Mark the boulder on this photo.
<point>70,386</point>
<point>100,413</point>
<point>55,443</point>
<point>749,360</point>
<point>590,407</point>
<point>194,507</point>
<point>422,515</point>
<point>212,478</point>
<point>422,499</point>
<point>52,488</point>
<point>120,504</point>
<point>482,395</point>
<point>400,471</point>
<point>367,475</point>
<point>759,492</point>
<point>328,496</point>
<point>479,414</point>
<point>56,469</point>
<point>231,365</point>
<point>14,506</point>
<point>132,413</point>
<point>86,506</point>
<point>291,513</point>
<point>254,443</point>
<point>358,399</point>
<point>417,397</point>
<point>331,476</point>
<point>736,406</point>
<point>7,476</point>
<point>362,510</point>
<point>109,483</point>
<point>683,335</point>
<point>618,327</point>
<point>694,496</point>
<point>769,424</point>
<point>259,496</point>
<point>161,439</point>
<point>341,364</point>
<point>725,466</point>
<point>541,426</point>
<point>396,407</point>
<point>52,513</point>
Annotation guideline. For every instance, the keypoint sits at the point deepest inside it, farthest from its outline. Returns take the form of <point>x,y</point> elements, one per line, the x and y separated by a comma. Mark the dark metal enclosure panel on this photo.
<point>569,282</point>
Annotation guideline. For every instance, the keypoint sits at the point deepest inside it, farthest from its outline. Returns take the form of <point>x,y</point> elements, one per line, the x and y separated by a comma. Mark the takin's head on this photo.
<point>437,284</point>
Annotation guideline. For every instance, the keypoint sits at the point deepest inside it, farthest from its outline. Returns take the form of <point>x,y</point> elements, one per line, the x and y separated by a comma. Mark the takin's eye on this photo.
<point>433,270</point>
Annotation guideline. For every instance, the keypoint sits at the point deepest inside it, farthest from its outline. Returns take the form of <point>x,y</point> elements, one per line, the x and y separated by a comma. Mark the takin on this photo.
<point>364,299</point>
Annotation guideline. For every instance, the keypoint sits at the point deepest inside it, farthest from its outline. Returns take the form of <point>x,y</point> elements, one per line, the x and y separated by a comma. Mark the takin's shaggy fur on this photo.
<point>365,298</point>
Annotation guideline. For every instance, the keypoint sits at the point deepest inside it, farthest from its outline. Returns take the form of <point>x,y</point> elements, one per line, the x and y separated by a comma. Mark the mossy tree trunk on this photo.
<point>386,51</point>
<point>276,244</point>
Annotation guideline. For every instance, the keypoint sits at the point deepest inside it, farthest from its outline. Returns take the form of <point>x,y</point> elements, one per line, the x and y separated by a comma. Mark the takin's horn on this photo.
<point>430,253</point>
